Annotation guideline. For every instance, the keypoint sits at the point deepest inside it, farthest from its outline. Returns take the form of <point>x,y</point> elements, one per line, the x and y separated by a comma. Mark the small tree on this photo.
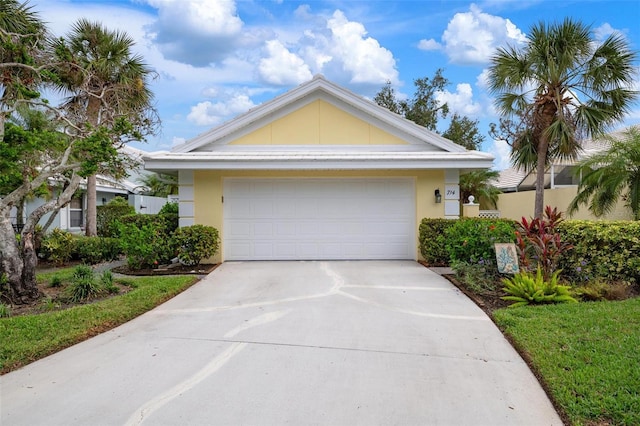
<point>464,131</point>
<point>424,108</point>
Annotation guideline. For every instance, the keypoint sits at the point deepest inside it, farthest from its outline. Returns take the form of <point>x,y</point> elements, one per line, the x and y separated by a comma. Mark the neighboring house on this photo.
<point>561,187</point>
<point>317,173</point>
<point>72,217</point>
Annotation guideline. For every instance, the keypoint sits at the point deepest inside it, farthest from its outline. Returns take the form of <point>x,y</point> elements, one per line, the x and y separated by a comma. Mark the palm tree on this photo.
<point>159,184</point>
<point>478,183</point>
<point>561,86</point>
<point>108,82</point>
<point>610,176</point>
<point>22,55</point>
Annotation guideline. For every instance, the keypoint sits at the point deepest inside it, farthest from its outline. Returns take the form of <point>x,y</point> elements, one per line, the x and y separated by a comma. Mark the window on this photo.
<point>76,213</point>
<point>566,176</point>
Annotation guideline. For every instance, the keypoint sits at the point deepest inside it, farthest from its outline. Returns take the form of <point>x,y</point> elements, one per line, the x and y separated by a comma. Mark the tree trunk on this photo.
<point>20,291</point>
<point>19,260</point>
<point>543,147</point>
<point>91,220</point>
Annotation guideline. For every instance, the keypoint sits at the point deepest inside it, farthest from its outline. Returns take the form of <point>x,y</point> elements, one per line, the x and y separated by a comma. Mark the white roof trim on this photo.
<point>318,160</point>
<point>319,83</point>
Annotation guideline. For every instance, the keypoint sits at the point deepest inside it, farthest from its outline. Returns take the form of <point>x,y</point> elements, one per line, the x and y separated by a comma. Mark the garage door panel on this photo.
<point>319,218</point>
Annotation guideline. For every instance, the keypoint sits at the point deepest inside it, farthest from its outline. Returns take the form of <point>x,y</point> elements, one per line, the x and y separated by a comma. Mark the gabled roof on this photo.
<point>316,88</point>
<point>424,149</point>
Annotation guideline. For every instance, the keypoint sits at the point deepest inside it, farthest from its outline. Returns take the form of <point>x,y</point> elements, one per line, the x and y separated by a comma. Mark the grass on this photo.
<point>587,355</point>
<point>28,338</point>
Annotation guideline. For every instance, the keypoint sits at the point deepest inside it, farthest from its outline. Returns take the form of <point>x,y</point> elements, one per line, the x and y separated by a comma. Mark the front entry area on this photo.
<point>319,218</point>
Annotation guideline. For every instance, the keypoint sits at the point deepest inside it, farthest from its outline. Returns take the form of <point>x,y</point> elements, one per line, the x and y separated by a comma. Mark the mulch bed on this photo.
<point>163,270</point>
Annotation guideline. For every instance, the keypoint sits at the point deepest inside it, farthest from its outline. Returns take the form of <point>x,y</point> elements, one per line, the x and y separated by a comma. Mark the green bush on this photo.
<point>525,288</point>
<point>93,250</point>
<point>148,246</point>
<point>108,216</point>
<point>608,251</point>
<point>471,240</point>
<point>57,246</point>
<point>195,243</point>
<point>166,223</point>
<point>169,208</point>
<point>433,241</point>
<point>83,284</point>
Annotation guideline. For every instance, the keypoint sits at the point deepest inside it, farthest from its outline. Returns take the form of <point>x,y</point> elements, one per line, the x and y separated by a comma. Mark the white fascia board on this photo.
<point>327,163</point>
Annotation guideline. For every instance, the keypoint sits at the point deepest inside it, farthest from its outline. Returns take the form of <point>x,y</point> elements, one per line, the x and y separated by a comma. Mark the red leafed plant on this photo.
<point>539,243</point>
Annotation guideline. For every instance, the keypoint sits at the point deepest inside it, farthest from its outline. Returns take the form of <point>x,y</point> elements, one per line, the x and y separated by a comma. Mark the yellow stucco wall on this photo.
<point>319,123</point>
<point>208,191</point>
<point>515,205</point>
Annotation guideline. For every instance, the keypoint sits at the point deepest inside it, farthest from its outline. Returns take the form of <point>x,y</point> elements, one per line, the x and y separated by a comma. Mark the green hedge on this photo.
<point>465,239</point>
<point>93,250</point>
<point>432,240</point>
<point>167,222</point>
<point>608,251</point>
<point>471,240</point>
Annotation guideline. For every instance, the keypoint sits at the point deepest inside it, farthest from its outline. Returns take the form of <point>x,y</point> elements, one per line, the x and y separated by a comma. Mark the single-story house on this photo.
<point>317,173</point>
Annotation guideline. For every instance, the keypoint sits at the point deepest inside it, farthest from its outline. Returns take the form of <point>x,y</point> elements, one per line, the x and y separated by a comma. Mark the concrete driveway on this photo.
<point>271,343</point>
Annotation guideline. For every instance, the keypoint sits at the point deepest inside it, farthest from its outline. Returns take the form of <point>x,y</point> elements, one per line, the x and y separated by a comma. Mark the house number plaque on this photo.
<point>452,192</point>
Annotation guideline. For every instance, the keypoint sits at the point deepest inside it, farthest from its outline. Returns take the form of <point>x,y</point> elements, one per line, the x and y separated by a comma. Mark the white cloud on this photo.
<point>196,32</point>
<point>282,67</point>
<point>230,104</point>
<point>461,101</point>
<point>430,44</point>
<point>472,37</point>
<point>501,151</point>
<point>361,56</point>
<point>604,31</point>
<point>482,81</point>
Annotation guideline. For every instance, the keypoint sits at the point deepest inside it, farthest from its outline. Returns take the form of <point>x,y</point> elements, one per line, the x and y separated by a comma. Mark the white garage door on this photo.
<point>305,219</point>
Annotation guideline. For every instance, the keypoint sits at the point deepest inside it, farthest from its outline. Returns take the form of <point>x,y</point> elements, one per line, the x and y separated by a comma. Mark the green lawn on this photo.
<point>587,354</point>
<point>27,338</point>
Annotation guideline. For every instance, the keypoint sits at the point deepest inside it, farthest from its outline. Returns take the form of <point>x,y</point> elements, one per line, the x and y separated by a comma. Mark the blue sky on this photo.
<point>217,59</point>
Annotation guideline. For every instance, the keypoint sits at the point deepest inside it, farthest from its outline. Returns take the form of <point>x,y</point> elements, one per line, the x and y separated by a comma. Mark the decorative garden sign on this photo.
<point>507,258</point>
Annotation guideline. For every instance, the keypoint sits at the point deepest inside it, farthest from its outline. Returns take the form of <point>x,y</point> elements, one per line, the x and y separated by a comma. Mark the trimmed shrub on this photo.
<point>166,223</point>
<point>57,246</point>
<point>93,250</point>
<point>471,240</point>
<point>195,243</point>
<point>108,216</point>
<point>608,251</point>
<point>146,247</point>
<point>433,241</point>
